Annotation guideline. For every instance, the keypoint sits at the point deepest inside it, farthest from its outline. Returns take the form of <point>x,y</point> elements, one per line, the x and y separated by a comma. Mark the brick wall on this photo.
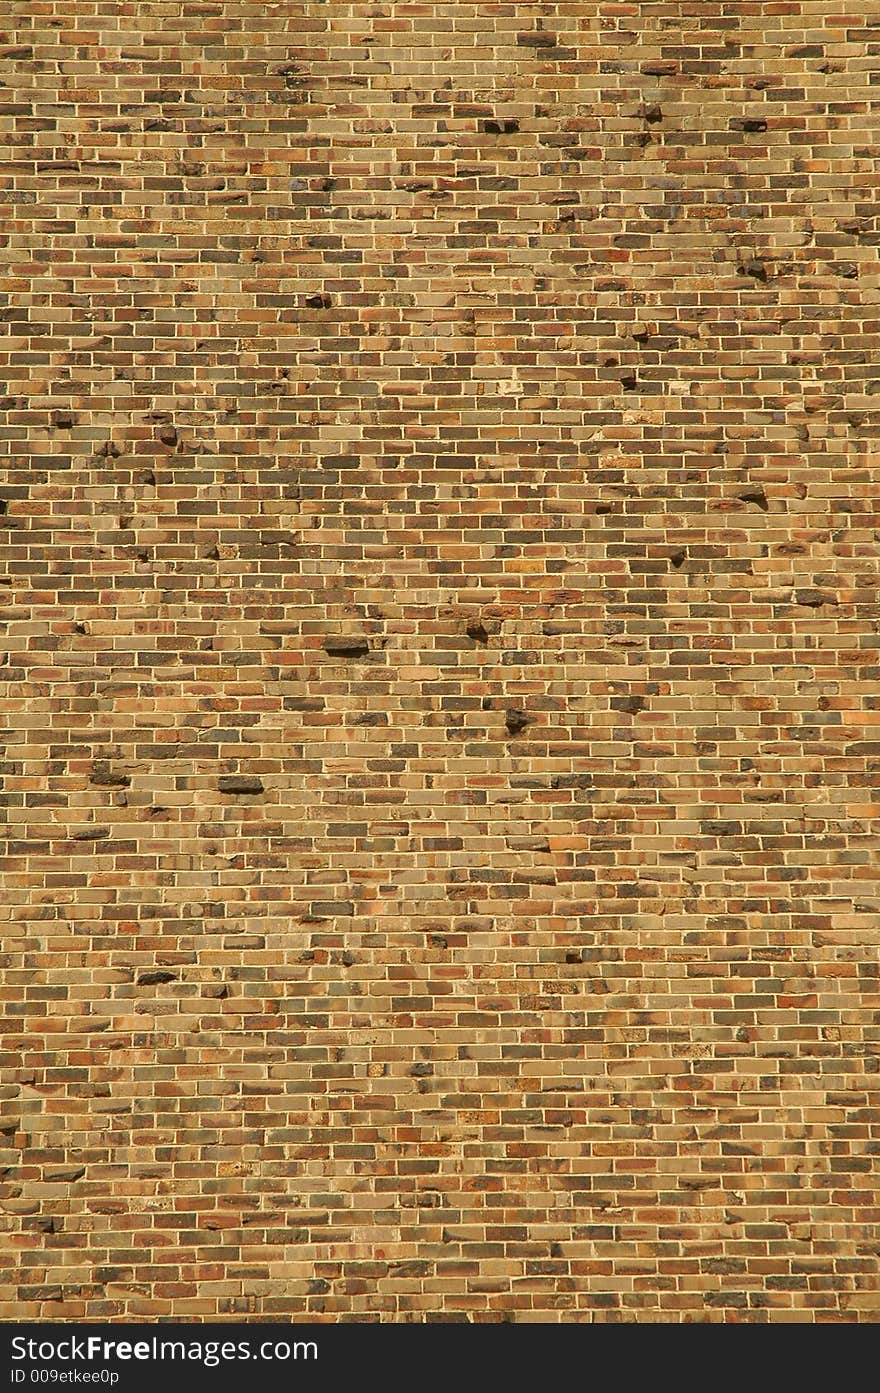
<point>439,648</point>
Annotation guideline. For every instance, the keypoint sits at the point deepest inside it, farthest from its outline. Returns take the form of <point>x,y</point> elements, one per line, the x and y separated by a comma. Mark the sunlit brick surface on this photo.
<point>439,660</point>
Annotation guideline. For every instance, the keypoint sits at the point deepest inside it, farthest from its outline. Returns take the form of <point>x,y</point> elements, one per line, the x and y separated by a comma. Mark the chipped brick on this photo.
<point>500,126</point>
<point>516,721</point>
<point>240,783</point>
<point>346,646</point>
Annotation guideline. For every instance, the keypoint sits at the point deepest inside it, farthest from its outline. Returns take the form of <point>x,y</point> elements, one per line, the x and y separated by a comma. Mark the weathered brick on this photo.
<point>240,783</point>
<point>439,661</point>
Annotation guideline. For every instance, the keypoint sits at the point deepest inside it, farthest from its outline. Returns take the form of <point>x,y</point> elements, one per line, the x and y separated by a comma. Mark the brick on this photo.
<point>346,646</point>
<point>240,783</point>
<point>439,662</point>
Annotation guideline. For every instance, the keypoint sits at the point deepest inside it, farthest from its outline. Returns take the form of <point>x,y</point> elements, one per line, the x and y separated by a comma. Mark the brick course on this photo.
<point>440,660</point>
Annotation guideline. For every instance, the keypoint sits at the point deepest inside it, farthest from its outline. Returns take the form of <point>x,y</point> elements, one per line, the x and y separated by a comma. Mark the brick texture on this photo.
<point>440,660</point>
